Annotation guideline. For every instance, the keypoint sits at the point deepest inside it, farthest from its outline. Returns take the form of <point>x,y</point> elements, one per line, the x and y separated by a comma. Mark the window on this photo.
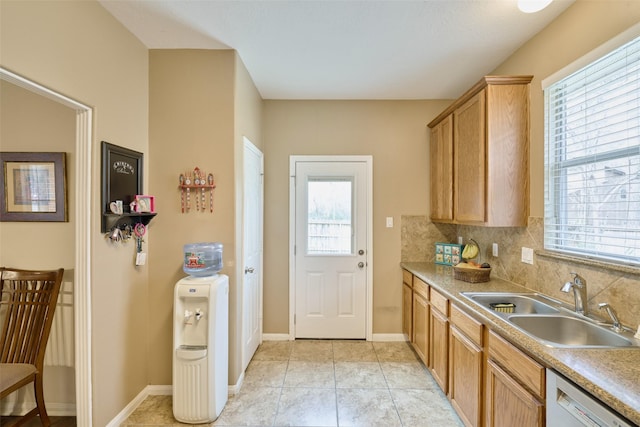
<point>330,219</point>
<point>592,159</point>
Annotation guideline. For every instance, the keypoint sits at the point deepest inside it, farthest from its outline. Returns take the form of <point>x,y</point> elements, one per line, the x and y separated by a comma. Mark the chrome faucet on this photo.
<point>579,286</point>
<point>612,314</point>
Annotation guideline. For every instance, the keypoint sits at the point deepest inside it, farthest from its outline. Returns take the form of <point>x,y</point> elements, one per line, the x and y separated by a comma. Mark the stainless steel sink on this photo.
<point>522,303</point>
<point>569,331</point>
<point>551,322</point>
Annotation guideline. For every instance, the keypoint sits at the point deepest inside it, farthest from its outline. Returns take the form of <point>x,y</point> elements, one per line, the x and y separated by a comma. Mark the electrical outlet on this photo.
<point>494,250</point>
<point>389,222</point>
<point>460,240</point>
<point>527,255</point>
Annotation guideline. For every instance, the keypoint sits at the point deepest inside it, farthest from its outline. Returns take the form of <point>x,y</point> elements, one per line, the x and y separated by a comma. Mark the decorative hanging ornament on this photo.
<point>199,181</point>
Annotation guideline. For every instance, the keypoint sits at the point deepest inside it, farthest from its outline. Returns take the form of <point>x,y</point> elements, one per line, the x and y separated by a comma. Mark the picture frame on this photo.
<point>121,176</point>
<point>145,203</point>
<point>33,187</point>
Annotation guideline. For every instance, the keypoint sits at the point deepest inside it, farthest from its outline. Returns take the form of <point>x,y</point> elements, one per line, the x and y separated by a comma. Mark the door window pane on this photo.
<point>330,216</point>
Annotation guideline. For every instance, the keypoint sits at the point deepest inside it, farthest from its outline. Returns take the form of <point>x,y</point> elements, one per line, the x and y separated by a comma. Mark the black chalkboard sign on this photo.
<point>121,175</point>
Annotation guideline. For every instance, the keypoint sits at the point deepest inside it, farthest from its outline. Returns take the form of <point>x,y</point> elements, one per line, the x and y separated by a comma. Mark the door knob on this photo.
<point>361,264</point>
<point>248,270</point>
<point>361,252</point>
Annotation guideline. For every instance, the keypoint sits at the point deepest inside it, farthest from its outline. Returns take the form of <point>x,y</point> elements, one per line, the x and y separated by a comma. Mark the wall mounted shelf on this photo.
<point>111,220</point>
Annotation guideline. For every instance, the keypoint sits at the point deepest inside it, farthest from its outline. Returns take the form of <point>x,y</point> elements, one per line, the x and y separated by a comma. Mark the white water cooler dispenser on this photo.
<point>200,348</point>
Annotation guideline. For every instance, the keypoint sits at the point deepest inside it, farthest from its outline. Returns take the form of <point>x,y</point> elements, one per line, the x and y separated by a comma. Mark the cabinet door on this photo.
<point>439,339</point>
<point>421,327</point>
<point>465,377</point>
<point>469,126</point>
<point>441,161</point>
<point>407,311</point>
<point>508,403</point>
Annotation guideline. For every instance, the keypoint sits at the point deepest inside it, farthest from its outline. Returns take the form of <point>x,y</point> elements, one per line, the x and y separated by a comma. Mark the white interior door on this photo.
<point>331,249</point>
<point>252,249</point>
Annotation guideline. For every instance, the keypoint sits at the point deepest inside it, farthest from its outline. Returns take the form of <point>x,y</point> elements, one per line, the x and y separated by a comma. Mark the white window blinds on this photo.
<point>592,159</point>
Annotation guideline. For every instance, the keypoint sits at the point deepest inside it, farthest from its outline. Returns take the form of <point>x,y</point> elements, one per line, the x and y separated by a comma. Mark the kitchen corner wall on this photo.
<point>619,288</point>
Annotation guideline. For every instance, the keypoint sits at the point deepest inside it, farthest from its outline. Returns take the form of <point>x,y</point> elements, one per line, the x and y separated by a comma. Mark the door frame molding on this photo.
<point>368,160</point>
<point>82,215</point>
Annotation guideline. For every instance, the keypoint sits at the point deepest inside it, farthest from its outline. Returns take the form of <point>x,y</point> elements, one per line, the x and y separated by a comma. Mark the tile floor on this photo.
<point>325,383</point>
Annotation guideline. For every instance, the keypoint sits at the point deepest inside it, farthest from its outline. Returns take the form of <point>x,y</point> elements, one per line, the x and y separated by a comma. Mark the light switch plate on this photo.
<point>389,222</point>
<point>494,250</point>
<point>527,255</point>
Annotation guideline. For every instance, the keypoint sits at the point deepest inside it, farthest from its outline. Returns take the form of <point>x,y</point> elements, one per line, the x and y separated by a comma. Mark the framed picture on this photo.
<point>145,203</point>
<point>33,187</point>
<point>121,175</point>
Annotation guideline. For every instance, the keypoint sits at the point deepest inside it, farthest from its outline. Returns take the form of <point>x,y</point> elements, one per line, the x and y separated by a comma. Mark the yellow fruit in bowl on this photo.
<point>470,251</point>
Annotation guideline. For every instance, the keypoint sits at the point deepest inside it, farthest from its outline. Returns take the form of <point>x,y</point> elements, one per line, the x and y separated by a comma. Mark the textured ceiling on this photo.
<point>345,49</point>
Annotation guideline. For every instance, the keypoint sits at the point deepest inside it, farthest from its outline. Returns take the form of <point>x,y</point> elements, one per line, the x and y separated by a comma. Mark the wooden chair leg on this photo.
<point>39,392</point>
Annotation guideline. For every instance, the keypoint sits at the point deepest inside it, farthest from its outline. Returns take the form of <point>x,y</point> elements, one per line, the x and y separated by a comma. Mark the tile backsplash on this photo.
<point>619,288</point>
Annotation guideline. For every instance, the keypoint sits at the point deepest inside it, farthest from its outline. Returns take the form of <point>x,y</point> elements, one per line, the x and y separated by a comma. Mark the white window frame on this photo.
<point>556,194</point>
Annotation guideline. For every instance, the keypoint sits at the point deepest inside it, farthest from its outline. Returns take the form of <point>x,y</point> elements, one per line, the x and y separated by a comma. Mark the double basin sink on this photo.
<point>551,322</point>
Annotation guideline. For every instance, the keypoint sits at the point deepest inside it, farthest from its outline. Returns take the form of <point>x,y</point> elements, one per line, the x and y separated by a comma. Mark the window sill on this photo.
<point>588,262</point>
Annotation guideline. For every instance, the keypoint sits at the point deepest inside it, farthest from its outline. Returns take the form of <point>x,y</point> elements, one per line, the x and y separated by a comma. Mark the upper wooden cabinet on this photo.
<point>441,153</point>
<point>480,155</point>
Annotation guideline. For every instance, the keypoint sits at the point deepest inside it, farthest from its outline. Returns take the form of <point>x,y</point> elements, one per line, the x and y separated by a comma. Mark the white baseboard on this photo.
<point>9,408</point>
<point>275,337</point>
<point>159,390</point>
<point>128,410</point>
<point>376,337</point>
<point>389,337</point>
<point>235,388</point>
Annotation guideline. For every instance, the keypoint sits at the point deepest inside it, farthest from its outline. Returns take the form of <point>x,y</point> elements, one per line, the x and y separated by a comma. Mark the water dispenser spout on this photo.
<point>187,315</point>
<point>199,314</point>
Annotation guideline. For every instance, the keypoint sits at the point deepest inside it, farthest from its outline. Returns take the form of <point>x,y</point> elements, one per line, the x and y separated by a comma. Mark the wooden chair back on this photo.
<point>27,304</point>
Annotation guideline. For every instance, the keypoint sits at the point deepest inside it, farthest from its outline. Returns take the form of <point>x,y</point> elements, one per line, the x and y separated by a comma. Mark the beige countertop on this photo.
<point>610,374</point>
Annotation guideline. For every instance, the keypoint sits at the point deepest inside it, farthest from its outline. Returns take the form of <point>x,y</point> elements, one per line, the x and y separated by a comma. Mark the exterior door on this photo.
<point>331,251</point>
<point>252,249</point>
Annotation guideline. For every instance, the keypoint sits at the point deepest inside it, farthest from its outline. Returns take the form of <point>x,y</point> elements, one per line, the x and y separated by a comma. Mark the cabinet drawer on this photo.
<point>421,288</point>
<point>523,368</point>
<point>467,324</point>
<point>406,277</point>
<point>440,302</point>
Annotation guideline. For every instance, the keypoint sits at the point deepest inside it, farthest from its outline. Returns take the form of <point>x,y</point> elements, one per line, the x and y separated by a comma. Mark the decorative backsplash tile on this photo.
<point>621,289</point>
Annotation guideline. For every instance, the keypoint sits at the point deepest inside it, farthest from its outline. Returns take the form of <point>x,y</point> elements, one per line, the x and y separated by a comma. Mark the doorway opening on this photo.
<point>82,264</point>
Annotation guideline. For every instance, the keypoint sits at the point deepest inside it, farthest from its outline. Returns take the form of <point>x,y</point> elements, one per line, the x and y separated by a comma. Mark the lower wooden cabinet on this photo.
<point>508,403</point>
<point>407,311</point>
<point>421,327</point>
<point>466,359</point>
<point>515,386</point>
<point>439,357</point>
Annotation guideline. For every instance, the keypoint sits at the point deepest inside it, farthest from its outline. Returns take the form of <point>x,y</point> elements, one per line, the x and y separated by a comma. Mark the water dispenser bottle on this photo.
<point>202,259</point>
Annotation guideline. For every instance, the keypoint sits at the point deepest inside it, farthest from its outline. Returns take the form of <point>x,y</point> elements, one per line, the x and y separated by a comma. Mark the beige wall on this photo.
<point>78,49</point>
<point>395,134</point>
<point>202,102</point>
<point>581,28</point>
<point>29,122</point>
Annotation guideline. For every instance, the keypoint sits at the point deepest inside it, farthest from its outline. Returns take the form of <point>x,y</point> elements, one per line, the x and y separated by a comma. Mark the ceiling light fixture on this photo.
<point>531,6</point>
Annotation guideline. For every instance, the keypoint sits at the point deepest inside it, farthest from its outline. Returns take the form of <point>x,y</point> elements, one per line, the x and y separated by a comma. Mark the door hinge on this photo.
<point>294,319</point>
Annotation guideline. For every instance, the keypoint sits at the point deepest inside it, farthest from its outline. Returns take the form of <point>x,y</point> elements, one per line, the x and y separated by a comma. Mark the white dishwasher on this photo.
<point>570,406</point>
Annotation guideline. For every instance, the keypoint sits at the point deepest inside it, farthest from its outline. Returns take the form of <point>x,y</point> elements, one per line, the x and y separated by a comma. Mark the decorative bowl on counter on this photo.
<point>471,274</point>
